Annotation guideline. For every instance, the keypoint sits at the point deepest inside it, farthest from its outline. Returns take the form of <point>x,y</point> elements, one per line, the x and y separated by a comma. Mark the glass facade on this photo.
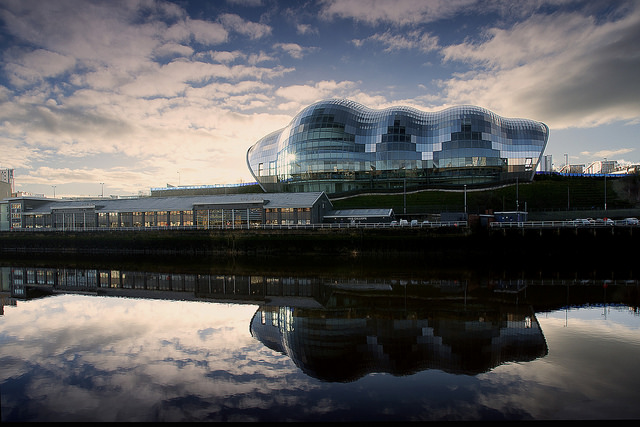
<point>339,146</point>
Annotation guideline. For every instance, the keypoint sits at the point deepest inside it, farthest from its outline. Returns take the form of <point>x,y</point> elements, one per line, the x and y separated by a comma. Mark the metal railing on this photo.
<point>379,225</point>
<point>563,224</point>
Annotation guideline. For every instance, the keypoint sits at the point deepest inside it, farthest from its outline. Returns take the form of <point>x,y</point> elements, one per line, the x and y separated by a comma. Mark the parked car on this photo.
<point>414,222</point>
<point>394,223</point>
<point>631,221</point>
<point>404,223</point>
<point>581,221</point>
<point>604,221</point>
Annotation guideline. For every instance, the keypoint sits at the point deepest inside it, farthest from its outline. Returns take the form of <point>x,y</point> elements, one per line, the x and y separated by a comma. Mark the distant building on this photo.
<point>572,169</point>
<point>6,183</point>
<point>6,175</point>
<point>4,216</point>
<point>5,190</point>
<point>627,170</point>
<point>600,167</point>
<point>546,164</point>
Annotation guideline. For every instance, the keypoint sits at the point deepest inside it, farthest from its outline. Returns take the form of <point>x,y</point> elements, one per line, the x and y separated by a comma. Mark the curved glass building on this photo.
<point>341,146</point>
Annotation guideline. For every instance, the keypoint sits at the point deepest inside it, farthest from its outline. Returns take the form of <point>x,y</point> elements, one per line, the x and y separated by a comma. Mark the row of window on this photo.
<point>204,218</point>
<point>316,159</point>
<point>345,141</point>
<point>399,164</point>
<point>340,134</point>
<point>204,283</point>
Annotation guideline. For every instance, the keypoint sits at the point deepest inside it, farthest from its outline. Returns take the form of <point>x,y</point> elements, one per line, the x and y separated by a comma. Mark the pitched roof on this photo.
<point>182,203</point>
<point>350,213</point>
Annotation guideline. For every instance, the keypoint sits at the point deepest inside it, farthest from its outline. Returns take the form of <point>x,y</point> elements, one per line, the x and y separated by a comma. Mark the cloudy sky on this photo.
<point>138,94</point>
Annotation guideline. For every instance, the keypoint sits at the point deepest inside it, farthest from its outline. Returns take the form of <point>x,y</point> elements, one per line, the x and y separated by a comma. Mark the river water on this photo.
<point>110,342</point>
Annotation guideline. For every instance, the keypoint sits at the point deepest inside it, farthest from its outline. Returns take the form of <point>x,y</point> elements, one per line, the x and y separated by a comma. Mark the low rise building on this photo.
<point>234,211</point>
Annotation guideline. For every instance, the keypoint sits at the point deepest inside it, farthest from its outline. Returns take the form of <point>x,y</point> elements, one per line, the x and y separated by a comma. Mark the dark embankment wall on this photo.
<point>597,248</point>
<point>239,242</point>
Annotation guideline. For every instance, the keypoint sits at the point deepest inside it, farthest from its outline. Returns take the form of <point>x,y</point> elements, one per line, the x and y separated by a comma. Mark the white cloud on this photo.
<point>174,78</point>
<point>220,56</point>
<point>407,40</point>
<point>236,23</point>
<point>222,90</point>
<point>400,12</point>
<point>256,58</point>
<point>538,38</point>
<point>173,49</point>
<point>564,69</point>
<point>209,33</point>
<point>303,29</point>
<point>293,49</point>
<point>37,65</point>
<point>13,149</point>
<point>374,101</point>
<point>251,3</point>
<point>418,12</point>
<point>99,33</point>
<point>609,154</point>
<point>306,94</point>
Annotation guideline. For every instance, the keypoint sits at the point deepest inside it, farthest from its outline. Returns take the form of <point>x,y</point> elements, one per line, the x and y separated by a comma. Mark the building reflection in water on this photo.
<point>334,344</point>
<point>334,329</point>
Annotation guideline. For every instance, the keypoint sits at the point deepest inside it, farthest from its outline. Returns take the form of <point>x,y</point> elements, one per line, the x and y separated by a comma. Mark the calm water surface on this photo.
<point>138,346</point>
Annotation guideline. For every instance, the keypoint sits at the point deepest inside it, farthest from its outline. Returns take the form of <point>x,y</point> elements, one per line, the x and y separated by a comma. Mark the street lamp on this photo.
<point>605,186</point>
<point>102,193</point>
<point>404,198</point>
<point>404,188</point>
<point>54,191</point>
<point>465,199</point>
<point>517,196</point>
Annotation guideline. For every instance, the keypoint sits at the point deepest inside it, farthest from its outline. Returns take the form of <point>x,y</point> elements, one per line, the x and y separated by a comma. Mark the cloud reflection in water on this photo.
<point>348,353</point>
<point>116,359</point>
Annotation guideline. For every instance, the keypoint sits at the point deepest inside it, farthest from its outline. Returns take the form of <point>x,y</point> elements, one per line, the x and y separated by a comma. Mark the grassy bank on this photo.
<point>547,193</point>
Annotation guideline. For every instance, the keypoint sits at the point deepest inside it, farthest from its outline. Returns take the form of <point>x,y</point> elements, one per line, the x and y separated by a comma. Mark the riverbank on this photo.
<point>276,242</point>
<point>595,248</point>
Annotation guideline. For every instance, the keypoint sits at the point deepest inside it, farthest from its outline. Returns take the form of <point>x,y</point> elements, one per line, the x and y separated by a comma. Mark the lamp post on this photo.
<point>178,178</point>
<point>605,186</point>
<point>102,192</point>
<point>54,191</point>
<point>465,199</point>
<point>405,194</point>
<point>517,196</point>
<point>404,187</point>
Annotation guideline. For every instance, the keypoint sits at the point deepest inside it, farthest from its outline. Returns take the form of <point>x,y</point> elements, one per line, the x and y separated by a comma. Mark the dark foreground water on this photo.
<point>101,344</point>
